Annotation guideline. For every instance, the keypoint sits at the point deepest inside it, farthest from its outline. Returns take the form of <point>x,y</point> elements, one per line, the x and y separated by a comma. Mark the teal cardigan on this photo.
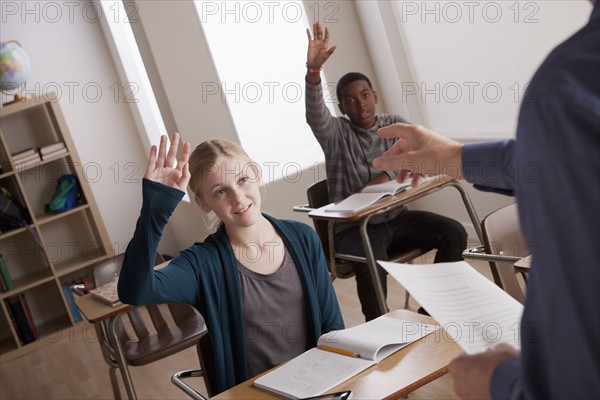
<point>206,276</point>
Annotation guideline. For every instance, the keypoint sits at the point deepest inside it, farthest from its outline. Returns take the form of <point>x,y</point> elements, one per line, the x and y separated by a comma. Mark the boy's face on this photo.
<point>359,103</point>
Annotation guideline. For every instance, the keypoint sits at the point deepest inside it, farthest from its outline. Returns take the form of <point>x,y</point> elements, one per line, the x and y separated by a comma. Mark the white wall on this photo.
<point>460,67</point>
<point>69,56</point>
<point>466,63</point>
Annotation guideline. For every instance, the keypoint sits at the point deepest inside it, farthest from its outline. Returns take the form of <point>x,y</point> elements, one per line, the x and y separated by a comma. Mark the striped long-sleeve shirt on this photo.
<point>349,150</point>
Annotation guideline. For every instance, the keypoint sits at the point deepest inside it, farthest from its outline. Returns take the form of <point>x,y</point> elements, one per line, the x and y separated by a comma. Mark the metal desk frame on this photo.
<point>381,207</point>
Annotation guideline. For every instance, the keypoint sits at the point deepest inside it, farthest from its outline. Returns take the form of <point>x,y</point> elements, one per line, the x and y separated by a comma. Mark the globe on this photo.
<point>14,66</point>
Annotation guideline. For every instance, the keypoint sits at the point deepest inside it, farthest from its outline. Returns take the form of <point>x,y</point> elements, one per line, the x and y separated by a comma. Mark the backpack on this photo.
<point>12,214</point>
<point>66,196</point>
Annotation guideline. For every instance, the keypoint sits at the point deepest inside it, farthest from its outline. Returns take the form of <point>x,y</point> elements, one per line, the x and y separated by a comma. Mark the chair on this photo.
<point>145,334</point>
<point>318,196</point>
<point>206,371</point>
<point>503,245</point>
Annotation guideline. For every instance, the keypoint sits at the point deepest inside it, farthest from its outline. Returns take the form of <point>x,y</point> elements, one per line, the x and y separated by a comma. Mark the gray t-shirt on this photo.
<point>274,314</point>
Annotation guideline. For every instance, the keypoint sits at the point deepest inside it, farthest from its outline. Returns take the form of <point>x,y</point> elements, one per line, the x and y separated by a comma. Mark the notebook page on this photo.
<point>312,373</point>
<point>378,338</point>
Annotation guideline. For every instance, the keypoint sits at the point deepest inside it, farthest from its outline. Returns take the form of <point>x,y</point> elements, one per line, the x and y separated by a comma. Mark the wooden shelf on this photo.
<point>61,245</point>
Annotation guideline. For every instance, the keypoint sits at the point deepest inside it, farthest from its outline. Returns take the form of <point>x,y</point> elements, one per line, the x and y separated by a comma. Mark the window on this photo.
<point>259,50</point>
<point>137,84</point>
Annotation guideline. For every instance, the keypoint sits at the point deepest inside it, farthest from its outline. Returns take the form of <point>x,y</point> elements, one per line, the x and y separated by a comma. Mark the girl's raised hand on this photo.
<point>165,168</point>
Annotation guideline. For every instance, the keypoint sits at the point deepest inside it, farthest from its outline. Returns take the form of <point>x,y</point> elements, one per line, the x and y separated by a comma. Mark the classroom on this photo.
<point>117,75</point>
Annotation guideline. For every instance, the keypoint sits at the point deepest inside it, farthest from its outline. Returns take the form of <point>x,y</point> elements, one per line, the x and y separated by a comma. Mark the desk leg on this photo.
<point>114,337</point>
<point>105,346</point>
<point>372,264</point>
<point>470,209</point>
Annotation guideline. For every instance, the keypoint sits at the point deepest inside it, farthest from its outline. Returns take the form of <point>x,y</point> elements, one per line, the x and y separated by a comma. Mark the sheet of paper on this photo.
<point>472,309</point>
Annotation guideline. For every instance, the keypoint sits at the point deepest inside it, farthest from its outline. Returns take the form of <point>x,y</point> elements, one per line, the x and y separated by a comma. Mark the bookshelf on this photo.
<point>55,248</point>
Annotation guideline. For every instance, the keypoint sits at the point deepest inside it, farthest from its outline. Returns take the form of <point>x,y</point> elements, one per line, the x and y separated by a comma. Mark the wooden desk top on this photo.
<point>385,204</point>
<point>404,371</point>
<point>96,311</point>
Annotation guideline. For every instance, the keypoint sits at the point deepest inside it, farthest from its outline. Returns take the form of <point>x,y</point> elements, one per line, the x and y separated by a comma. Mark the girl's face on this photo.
<point>231,190</point>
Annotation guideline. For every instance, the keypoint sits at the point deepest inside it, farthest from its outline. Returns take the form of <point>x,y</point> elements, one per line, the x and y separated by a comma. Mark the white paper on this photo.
<point>391,187</point>
<point>472,309</point>
<point>312,373</point>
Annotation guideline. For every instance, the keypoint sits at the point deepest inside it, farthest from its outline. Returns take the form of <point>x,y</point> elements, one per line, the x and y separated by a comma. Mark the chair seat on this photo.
<point>408,255</point>
<point>155,347</point>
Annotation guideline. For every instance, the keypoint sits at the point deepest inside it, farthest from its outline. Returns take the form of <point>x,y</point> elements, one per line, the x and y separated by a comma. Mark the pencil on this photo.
<point>340,351</point>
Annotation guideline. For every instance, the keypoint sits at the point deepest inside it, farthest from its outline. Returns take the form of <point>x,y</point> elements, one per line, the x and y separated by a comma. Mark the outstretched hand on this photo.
<point>165,168</point>
<point>472,373</point>
<point>418,152</point>
<point>318,46</point>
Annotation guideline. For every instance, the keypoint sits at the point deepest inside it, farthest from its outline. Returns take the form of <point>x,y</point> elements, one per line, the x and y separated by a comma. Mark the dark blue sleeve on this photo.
<point>491,166</point>
<point>139,283</point>
<point>506,380</point>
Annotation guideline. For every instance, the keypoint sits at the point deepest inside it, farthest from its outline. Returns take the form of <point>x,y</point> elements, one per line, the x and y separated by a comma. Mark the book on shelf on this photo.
<point>479,313</point>
<point>71,303</point>
<point>340,355</point>
<point>3,287</point>
<point>50,148</point>
<point>28,315</point>
<point>54,154</point>
<point>20,320</point>
<point>369,195</point>
<point>107,294</point>
<point>5,275</point>
<point>27,163</point>
<point>24,155</point>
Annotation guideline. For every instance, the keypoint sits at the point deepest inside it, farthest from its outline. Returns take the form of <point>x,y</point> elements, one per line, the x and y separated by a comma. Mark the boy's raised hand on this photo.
<point>318,46</point>
<point>165,168</point>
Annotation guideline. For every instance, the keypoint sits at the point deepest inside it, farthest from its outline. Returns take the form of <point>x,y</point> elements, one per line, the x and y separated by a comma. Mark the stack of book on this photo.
<point>26,158</point>
<point>53,150</point>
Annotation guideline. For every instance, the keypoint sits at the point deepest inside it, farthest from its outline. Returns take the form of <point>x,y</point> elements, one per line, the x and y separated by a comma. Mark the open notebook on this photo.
<point>340,355</point>
<point>369,195</point>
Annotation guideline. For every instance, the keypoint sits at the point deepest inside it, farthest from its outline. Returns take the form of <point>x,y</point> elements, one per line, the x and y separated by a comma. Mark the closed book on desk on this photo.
<point>107,294</point>
<point>340,355</point>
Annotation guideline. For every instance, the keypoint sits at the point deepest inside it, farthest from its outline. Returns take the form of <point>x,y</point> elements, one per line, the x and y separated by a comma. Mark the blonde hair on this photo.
<point>203,160</point>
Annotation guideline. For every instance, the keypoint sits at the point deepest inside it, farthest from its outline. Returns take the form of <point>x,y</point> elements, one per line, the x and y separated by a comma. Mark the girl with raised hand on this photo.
<point>260,283</point>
